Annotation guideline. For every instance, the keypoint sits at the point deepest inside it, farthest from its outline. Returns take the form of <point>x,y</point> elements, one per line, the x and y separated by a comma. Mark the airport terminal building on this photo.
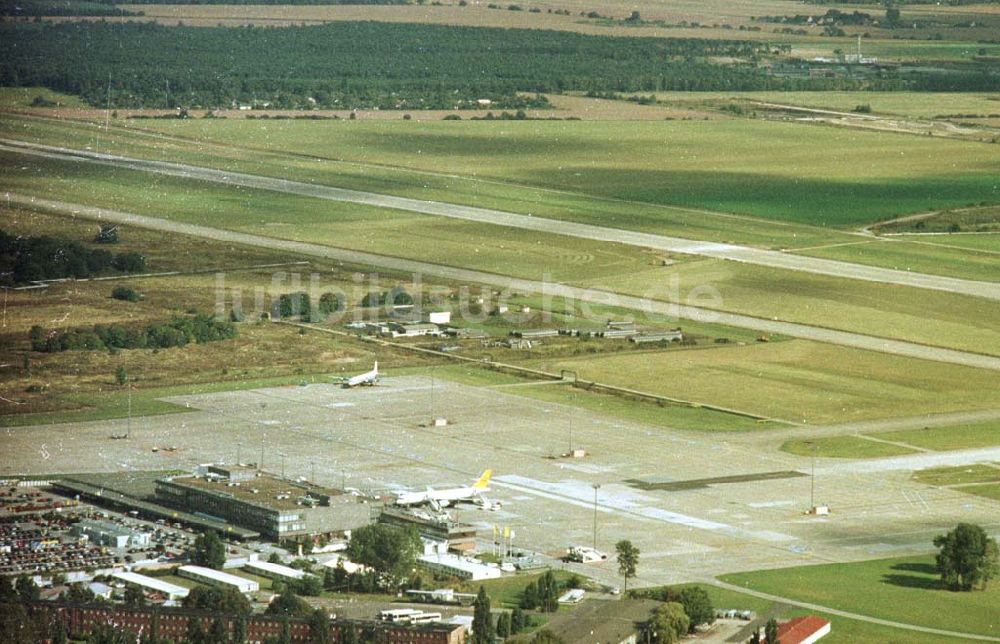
<point>278,508</point>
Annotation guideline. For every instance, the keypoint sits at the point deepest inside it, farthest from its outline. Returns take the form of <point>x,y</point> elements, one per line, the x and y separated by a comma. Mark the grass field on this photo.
<point>932,438</point>
<point>844,630</point>
<point>984,242</point>
<point>921,105</point>
<point>961,475</point>
<point>797,381</point>
<point>975,220</point>
<point>830,183</point>
<point>904,254</point>
<point>988,491</point>
<point>932,317</point>
<point>904,589</point>
<point>843,447</point>
<point>846,178</point>
<point>919,316</point>
<point>371,171</point>
<point>946,438</point>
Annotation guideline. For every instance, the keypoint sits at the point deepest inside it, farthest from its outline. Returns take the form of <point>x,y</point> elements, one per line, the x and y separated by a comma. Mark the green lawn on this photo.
<point>922,316</point>
<point>114,404</point>
<point>933,438</point>
<point>960,475</point>
<point>765,171</point>
<point>921,105</point>
<point>947,438</point>
<point>902,589</point>
<point>843,447</point>
<point>932,317</point>
<point>505,592</point>
<point>906,255</point>
<point>797,380</point>
<point>510,168</point>
<point>989,491</point>
<point>843,630</point>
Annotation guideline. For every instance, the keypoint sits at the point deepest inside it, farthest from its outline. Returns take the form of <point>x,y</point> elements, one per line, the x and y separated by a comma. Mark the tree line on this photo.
<point>405,66</point>
<point>27,259</point>
<point>178,332</point>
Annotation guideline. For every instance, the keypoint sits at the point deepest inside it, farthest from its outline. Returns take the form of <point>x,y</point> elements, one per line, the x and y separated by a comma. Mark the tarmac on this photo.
<point>742,508</point>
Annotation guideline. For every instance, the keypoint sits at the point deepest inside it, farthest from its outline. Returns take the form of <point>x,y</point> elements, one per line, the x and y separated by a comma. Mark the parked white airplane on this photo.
<point>443,498</point>
<point>366,379</point>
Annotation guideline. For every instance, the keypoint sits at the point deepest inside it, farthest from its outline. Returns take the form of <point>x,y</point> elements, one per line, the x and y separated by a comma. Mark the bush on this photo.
<point>130,262</point>
<point>125,293</point>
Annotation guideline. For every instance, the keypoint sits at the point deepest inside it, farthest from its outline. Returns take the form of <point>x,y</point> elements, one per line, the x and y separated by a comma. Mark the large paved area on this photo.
<point>377,439</point>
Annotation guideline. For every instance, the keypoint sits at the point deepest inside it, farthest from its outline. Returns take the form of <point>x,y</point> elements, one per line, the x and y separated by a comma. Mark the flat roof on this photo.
<point>218,575</point>
<point>276,569</point>
<point>155,509</point>
<point>152,583</point>
<point>271,492</point>
<point>460,563</point>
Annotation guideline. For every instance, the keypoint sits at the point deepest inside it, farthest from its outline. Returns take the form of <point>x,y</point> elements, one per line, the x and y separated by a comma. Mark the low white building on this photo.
<point>461,567</point>
<point>152,584</point>
<point>112,535</point>
<point>439,317</point>
<point>274,571</point>
<point>217,578</point>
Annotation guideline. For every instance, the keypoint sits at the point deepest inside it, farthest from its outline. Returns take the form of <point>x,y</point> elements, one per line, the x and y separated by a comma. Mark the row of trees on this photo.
<point>178,332</point>
<point>25,259</point>
<point>401,66</point>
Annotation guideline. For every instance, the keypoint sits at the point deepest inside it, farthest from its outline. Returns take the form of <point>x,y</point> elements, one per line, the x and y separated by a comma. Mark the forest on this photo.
<point>178,332</point>
<point>400,66</point>
<point>27,259</point>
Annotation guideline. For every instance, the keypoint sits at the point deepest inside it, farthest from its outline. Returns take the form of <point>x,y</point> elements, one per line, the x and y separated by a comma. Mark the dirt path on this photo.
<point>652,308</point>
<point>769,258</point>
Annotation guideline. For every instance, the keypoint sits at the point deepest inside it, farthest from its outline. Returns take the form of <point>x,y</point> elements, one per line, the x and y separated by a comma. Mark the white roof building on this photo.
<point>461,567</point>
<point>172,591</point>
<point>273,570</point>
<point>211,577</point>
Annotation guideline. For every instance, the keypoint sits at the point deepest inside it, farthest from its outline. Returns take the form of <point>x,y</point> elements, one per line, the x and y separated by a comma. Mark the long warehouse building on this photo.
<point>217,578</point>
<point>152,584</point>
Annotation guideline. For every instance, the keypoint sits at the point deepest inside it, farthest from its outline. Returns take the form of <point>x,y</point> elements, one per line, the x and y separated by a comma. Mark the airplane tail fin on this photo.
<point>483,480</point>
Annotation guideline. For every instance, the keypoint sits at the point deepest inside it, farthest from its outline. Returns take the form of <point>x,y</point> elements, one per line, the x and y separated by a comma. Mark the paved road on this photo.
<point>770,258</point>
<point>653,309</point>
<point>862,618</point>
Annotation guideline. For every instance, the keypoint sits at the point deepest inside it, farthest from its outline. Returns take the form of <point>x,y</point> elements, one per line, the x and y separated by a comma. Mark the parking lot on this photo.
<point>379,439</point>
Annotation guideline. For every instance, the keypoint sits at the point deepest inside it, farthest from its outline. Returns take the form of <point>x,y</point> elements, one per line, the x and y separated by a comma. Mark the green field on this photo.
<point>932,438</point>
<point>798,381</point>
<point>935,318</point>
<point>843,630</point>
<point>833,182</point>
<point>921,105</point>
<point>961,475</point>
<point>947,438</point>
<point>988,491</point>
<point>487,172</point>
<point>926,317</point>
<point>843,447</point>
<point>904,590</point>
<point>907,255</point>
<point>765,171</point>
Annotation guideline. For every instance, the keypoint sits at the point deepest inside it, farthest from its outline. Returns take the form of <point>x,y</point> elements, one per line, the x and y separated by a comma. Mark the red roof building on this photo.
<point>803,630</point>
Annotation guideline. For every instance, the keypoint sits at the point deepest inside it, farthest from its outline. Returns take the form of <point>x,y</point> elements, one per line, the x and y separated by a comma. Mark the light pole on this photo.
<point>597,486</point>
<point>282,455</point>
<point>239,447</point>
<point>812,477</point>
